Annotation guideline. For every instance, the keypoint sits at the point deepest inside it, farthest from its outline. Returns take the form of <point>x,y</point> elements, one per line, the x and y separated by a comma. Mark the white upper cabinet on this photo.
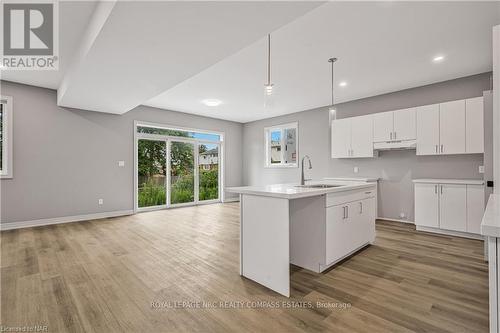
<point>428,130</point>
<point>394,125</point>
<point>383,125</point>
<point>341,138</point>
<point>362,136</point>
<point>452,127</point>
<point>474,129</point>
<point>405,124</point>
<point>352,137</point>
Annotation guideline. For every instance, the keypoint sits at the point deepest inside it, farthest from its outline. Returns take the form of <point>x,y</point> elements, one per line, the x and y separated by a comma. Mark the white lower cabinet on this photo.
<point>348,227</point>
<point>456,206</point>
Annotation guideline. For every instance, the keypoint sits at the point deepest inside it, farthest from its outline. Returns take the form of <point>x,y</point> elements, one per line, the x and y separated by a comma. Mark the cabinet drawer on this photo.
<point>338,198</point>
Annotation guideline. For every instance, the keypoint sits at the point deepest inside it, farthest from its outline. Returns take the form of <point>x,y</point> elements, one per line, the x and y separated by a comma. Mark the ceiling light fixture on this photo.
<point>268,87</point>
<point>343,84</point>
<point>212,102</point>
<point>438,58</point>
<point>333,110</point>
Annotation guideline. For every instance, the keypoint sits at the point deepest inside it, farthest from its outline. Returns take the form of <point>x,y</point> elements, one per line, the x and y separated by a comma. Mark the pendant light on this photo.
<point>268,87</point>
<point>332,109</point>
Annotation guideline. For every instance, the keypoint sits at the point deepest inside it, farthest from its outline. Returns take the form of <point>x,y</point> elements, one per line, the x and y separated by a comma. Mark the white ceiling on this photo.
<point>173,55</point>
<point>382,47</point>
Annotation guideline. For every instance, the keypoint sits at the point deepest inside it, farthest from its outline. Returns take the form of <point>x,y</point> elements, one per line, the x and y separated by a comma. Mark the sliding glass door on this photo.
<point>182,172</point>
<point>151,173</point>
<point>176,167</point>
<point>208,171</point>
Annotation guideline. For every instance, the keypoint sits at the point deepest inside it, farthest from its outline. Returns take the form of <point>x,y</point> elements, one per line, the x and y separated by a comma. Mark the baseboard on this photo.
<point>235,199</point>
<point>395,220</point>
<point>64,219</point>
<point>449,232</point>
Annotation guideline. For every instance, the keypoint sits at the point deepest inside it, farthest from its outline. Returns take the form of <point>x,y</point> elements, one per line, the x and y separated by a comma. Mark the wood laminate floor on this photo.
<point>132,274</point>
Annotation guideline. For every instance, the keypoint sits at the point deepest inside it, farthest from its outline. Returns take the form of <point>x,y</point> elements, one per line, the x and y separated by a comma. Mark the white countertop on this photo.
<point>353,179</point>
<point>490,226</point>
<point>294,191</point>
<point>450,181</point>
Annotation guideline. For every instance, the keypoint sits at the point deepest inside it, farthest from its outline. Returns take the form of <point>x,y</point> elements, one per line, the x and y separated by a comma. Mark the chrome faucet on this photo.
<point>302,180</point>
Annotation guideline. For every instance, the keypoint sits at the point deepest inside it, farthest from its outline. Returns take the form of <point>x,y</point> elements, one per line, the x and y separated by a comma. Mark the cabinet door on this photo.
<point>474,125</point>
<point>428,130</point>
<point>427,205</point>
<point>362,136</point>
<point>383,126</point>
<point>365,210</point>
<point>453,207</point>
<point>341,138</point>
<point>405,124</point>
<point>475,208</point>
<point>337,233</point>
<point>452,127</point>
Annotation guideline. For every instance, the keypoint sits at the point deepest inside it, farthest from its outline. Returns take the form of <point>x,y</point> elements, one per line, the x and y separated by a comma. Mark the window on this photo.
<point>177,166</point>
<point>281,145</point>
<point>6,137</point>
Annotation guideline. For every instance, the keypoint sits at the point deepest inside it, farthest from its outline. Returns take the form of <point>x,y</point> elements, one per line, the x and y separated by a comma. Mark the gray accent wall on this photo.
<point>396,169</point>
<point>66,159</point>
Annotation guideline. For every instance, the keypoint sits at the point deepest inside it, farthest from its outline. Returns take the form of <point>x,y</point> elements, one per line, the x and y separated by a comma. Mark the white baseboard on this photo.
<point>64,219</point>
<point>395,220</point>
<point>449,232</point>
<point>235,199</point>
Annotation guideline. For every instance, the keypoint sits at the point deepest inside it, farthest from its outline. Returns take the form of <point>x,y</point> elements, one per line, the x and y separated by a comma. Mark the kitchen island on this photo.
<point>312,226</point>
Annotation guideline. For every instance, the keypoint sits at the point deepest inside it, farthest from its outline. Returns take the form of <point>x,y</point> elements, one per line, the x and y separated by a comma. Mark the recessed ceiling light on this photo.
<point>343,84</point>
<point>212,102</point>
<point>438,58</point>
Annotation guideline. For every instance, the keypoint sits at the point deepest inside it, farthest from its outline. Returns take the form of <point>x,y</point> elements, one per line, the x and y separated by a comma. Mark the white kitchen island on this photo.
<point>313,228</point>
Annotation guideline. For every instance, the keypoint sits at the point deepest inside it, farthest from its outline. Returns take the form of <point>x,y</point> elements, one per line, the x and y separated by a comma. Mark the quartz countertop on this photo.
<point>449,181</point>
<point>294,191</point>
<point>490,226</point>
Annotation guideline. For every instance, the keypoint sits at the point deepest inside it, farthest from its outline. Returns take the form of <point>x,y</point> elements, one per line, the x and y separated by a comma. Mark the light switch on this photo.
<point>481,169</point>
<point>121,163</point>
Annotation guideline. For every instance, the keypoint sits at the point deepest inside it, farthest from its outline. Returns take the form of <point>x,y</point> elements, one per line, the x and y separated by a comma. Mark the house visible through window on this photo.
<point>281,145</point>
<point>6,137</point>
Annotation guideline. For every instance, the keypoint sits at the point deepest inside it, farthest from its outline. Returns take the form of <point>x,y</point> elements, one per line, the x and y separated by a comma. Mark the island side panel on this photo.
<point>265,245</point>
<point>307,232</point>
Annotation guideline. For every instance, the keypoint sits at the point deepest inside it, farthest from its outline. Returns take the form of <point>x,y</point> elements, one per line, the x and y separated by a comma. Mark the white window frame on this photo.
<point>7,124</point>
<point>267,143</point>
<point>169,139</point>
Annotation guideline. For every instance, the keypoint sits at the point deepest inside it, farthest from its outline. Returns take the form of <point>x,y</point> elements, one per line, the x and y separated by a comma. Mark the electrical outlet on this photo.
<point>481,169</point>
<point>121,163</point>
<point>402,216</point>
<point>356,169</point>
<point>100,201</point>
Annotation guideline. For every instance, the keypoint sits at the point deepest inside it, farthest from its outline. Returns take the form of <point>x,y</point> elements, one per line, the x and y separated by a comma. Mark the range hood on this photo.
<point>395,145</point>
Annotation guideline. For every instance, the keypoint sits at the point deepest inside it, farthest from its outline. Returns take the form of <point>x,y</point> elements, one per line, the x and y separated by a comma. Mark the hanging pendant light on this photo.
<point>268,87</point>
<point>332,109</point>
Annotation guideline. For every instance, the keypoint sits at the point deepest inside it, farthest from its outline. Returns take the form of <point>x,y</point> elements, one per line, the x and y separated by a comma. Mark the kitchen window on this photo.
<point>6,137</point>
<point>281,145</point>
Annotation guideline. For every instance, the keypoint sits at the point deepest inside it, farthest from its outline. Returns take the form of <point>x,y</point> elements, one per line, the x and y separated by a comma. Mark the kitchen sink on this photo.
<point>319,186</point>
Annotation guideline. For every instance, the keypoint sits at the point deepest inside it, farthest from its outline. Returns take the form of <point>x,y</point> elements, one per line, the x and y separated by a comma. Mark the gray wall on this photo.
<point>395,168</point>
<point>65,159</point>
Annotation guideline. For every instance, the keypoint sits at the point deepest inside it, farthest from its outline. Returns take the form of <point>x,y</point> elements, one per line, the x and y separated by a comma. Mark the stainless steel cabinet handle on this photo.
<point>343,212</point>
<point>442,148</point>
<point>391,135</point>
<point>441,189</point>
<point>435,189</point>
<point>361,208</point>
<point>347,212</point>
<point>394,135</point>
<point>436,149</point>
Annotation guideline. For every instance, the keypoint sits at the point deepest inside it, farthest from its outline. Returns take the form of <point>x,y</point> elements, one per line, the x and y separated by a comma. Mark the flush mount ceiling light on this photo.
<point>343,84</point>
<point>333,110</point>
<point>212,102</point>
<point>268,87</point>
<point>438,58</point>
